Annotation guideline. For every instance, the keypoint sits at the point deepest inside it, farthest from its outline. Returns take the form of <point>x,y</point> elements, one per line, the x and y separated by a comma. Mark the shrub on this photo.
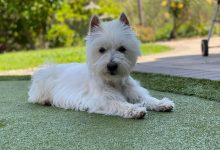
<point>189,29</point>
<point>164,32</point>
<point>145,34</point>
<point>60,35</point>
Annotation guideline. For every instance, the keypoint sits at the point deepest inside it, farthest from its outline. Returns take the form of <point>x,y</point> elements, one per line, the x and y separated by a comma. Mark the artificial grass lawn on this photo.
<point>193,125</point>
<point>202,88</point>
<point>30,59</point>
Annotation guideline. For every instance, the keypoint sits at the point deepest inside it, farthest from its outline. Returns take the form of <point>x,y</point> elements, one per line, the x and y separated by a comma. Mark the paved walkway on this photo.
<point>185,60</point>
<point>18,72</point>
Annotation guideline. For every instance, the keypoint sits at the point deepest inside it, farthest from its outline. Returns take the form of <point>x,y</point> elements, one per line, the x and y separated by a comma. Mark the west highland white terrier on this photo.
<point>102,85</point>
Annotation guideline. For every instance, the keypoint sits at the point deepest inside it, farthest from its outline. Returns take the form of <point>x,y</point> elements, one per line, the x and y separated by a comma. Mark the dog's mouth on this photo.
<point>112,73</point>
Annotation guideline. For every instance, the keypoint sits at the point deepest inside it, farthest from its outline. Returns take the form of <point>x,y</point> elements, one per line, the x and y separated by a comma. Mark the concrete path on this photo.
<point>185,60</point>
<point>18,72</point>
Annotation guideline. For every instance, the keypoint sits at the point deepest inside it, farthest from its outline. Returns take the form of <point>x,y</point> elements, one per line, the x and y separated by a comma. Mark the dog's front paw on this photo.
<point>136,113</point>
<point>165,105</point>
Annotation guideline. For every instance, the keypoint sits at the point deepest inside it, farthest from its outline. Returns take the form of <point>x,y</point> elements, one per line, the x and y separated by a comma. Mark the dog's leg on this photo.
<point>105,101</point>
<point>137,94</point>
<point>119,108</point>
<point>151,103</point>
<point>112,102</point>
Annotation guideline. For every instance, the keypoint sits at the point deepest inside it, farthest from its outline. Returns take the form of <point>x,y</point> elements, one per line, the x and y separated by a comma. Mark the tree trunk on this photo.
<point>141,12</point>
<point>30,40</point>
<point>173,32</point>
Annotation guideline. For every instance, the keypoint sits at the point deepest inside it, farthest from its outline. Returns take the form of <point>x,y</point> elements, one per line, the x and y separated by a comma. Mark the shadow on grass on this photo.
<point>14,78</point>
<point>202,88</point>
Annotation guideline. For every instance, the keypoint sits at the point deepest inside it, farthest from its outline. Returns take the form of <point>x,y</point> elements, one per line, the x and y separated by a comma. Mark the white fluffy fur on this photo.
<point>90,87</point>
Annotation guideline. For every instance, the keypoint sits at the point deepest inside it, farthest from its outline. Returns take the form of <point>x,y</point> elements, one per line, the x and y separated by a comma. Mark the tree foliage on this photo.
<point>29,24</point>
<point>24,22</point>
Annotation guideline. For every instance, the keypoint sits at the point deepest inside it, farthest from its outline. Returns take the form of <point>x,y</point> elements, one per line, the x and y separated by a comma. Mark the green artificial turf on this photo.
<point>193,125</point>
<point>34,58</point>
<point>203,88</point>
<point>2,124</point>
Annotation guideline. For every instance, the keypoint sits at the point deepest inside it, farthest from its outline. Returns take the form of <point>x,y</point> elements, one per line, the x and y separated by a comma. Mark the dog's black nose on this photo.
<point>112,66</point>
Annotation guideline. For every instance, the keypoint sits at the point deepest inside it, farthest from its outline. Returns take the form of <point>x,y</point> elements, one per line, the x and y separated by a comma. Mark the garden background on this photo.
<point>40,24</point>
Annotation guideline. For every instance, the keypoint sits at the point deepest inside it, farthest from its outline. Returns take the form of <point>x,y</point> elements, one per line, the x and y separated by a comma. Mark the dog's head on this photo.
<point>112,48</point>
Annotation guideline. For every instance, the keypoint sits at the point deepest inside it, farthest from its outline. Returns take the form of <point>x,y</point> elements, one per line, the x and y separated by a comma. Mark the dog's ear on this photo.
<point>124,19</point>
<point>94,23</point>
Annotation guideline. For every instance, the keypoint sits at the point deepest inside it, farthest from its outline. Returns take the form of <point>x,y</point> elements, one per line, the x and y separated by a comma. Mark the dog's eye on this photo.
<point>102,50</point>
<point>121,49</point>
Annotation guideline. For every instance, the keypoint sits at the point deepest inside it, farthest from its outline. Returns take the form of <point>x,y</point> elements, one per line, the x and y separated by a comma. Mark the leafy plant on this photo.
<point>145,34</point>
<point>163,32</point>
<point>60,35</point>
<point>179,11</point>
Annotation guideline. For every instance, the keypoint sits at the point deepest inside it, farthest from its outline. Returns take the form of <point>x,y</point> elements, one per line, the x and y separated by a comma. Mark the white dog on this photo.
<point>103,84</point>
